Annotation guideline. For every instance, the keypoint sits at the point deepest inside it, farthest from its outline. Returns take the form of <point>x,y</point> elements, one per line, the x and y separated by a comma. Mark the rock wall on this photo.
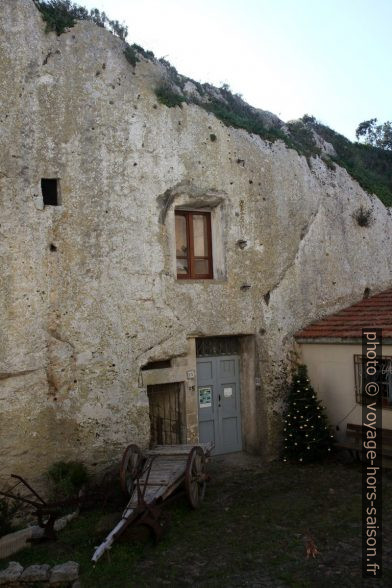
<point>88,288</point>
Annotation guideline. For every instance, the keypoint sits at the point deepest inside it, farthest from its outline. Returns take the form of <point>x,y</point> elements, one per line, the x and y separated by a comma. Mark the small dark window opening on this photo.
<point>157,365</point>
<point>49,188</point>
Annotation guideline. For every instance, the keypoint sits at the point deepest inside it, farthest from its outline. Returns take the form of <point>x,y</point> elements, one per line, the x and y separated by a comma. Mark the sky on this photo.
<point>330,59</point>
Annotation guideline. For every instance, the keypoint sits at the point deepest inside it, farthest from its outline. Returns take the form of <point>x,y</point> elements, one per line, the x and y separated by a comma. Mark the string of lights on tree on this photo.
<point>307,436</point>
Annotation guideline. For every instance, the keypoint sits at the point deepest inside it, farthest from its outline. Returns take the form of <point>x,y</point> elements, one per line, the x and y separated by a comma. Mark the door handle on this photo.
<point>219,399</point>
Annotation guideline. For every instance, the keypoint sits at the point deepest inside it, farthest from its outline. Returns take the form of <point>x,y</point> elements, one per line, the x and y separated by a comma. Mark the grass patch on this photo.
<point>234,112</point>
<point>249,531</point>
<point>240,118</point>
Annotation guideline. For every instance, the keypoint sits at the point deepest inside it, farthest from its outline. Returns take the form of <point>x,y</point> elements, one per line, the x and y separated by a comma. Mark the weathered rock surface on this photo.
<point>66,572</point>
<point>88,288</point>
<point>36,573</point>
<point>11,573</point>
<point>61,575</point>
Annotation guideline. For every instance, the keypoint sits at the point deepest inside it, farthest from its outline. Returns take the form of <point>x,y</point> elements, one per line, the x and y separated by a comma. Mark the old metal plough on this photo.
<point>46,512</point>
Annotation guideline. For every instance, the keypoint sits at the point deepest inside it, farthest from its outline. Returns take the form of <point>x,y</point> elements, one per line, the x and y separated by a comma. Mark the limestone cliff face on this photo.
<point>88,288</point>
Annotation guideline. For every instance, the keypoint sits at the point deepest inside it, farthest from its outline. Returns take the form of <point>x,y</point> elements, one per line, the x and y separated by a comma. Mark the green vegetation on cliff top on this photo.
<point>370,166</point>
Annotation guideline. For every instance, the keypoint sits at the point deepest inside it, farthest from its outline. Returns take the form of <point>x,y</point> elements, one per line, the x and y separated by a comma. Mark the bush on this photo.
<point>328,162</point>
<point>146,54</point>
<point>167,96</point>
<point>174,76</point>
<point>60,15</point>
<point>66,479</point>
<point>130,55</point>
<point>370,166</point>
<point>235,115</point>
<point>303,138</point>
<point>7,511</point>
<point>363,216</point>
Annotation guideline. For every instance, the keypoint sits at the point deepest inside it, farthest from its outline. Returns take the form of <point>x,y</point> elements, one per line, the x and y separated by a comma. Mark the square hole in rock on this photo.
<point>50,191</point>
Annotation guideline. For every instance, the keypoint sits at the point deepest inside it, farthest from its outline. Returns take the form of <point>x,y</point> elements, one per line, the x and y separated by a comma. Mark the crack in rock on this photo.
<point>291,263</point>
<point>7,375</point>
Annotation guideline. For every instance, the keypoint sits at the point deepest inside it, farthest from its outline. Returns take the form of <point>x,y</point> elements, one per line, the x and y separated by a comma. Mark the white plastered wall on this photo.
<point>331,373</point>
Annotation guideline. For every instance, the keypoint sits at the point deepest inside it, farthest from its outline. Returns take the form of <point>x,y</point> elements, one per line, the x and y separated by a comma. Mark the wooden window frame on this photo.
<point>190,257</point>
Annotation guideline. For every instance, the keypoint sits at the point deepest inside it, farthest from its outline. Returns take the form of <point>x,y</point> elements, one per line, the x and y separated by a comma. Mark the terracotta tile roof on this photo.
<point>375,311</point>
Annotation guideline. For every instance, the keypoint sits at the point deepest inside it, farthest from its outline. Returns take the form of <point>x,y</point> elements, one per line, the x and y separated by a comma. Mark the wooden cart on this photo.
<point>150,477</point>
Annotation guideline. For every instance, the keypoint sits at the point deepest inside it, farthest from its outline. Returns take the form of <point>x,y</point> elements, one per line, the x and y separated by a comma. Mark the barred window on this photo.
<point>386,380</point>
<point>225,345</point>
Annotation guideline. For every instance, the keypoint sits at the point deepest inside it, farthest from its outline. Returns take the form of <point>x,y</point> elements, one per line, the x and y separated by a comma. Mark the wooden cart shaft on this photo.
<point>163,472</point>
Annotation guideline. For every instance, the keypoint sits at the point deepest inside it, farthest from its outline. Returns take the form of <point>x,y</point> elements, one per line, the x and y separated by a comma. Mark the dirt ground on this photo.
<point>250,531</point>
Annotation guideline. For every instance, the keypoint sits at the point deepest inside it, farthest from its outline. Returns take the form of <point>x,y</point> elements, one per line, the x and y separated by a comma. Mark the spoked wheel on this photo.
<point>195,476</point>
<point>130,468</point>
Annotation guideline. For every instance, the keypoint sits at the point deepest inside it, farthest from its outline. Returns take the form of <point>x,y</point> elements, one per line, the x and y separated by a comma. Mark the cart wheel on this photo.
<point>130,468</point>
<point>195,476</point>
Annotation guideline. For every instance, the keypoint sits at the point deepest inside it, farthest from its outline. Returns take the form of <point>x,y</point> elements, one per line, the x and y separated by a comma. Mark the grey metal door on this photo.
<point>218,383</point>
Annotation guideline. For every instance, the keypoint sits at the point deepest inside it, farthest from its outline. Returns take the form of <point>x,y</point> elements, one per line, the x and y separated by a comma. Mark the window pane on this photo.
<point>181,240</point>
<point>200,242</point>
<point>182,266</point>
<point>201,266</point>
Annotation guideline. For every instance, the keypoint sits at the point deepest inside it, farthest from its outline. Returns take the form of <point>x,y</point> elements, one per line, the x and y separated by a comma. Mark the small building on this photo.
<point>332,350</point>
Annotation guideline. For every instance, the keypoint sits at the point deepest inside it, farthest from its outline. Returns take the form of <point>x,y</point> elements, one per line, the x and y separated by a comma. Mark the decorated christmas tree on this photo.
<point>307,437</point>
